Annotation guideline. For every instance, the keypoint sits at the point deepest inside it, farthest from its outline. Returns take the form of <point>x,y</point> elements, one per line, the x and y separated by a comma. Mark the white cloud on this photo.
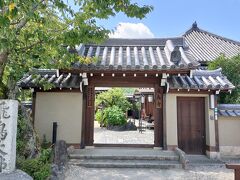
<point>132,30</point>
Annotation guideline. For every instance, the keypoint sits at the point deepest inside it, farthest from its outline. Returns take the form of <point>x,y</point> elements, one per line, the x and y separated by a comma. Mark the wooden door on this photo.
<point>191,124</point>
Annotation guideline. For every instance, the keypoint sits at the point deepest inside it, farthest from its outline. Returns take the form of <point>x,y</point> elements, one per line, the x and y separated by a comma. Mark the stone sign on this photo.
<point>8,131</point>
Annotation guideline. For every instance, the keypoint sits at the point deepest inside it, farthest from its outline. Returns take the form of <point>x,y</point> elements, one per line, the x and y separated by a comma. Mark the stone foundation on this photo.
<point>230,151</point>
<point>213,154</point>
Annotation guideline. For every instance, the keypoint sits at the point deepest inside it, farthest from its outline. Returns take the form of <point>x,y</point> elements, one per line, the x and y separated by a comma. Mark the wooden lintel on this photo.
<point>185,91</point>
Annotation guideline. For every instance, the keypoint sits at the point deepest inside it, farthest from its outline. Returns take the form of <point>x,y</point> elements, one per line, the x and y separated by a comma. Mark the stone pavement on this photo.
<point>104,136</point>
<point>15,175</point>
<point>195,173</point>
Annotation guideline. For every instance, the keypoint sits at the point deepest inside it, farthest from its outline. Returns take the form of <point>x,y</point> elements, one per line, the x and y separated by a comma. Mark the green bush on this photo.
<point>30,157</point>
<point>21,131</point>
<point>31,166</point>
<point>27,144</point>
<point>113,106</point>
<point>100,118</point>
<point>39,168</point>
<point>114,116</point>
<point>43,172</point>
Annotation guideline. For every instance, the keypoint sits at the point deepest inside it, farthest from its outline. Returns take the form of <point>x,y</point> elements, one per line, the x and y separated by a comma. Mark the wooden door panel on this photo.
<point>191,128</point>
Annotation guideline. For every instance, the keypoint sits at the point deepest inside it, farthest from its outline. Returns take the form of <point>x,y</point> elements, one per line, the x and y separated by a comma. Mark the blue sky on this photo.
<point>173,17</point>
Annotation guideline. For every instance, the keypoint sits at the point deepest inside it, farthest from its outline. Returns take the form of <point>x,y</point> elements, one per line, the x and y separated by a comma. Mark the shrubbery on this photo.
<point>31,158</point>
<point>100,119</point>
<point>114,116</point>
<point>39,168</point>
<point>112,106</point>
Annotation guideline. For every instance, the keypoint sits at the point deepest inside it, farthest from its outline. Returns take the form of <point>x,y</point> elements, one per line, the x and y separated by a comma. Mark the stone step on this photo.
<point>201,160</point>
<point>93,163</point>
<point>124,154</point>
<point>121,157</point>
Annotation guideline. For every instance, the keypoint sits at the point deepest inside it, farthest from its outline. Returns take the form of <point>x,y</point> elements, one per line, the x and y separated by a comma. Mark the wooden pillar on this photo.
<point>89,116</point>
<point>158,115</point>
<point>164,123</point>
<point>84,108</point>
<point>34,96</point>
<point>216,127</point>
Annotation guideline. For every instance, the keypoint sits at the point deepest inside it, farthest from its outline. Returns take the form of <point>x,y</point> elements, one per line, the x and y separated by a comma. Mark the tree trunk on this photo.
<point>12,89</point>
<point>3,62</point>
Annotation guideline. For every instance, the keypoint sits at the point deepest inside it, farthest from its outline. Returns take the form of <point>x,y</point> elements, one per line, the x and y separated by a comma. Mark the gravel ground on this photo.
<point>194,173</point>
<point>102,135</point>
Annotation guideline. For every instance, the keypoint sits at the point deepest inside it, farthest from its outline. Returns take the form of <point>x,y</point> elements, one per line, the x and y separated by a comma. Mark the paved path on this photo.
<point>104,136</point>
<point>199,173</point>
<point>15,175</point>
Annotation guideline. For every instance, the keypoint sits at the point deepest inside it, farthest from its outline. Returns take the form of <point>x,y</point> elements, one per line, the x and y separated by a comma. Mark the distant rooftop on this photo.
<point>196,45</point>
<point>206,46</point>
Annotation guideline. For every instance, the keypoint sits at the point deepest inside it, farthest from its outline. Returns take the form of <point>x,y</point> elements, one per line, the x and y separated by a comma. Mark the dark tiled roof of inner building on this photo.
<point>206,46</point>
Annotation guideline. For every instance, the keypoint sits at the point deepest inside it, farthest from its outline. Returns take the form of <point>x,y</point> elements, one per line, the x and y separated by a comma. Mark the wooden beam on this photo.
<point>34,96</point>
<point>190,91</point>
<point>120,81</point>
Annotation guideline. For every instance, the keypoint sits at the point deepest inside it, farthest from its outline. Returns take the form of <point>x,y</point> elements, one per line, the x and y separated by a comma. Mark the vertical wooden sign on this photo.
<point>90,96</point>
<point>158,97</point>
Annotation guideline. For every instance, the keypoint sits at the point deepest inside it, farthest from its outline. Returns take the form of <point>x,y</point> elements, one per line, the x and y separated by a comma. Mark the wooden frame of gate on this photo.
<point>121,80</point>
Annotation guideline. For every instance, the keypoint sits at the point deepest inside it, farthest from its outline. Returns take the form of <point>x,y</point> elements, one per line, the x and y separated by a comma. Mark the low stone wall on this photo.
<point>229,136</point>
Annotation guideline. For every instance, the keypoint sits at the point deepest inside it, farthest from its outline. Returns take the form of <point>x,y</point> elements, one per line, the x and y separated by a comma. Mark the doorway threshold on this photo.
<point>124,145</point>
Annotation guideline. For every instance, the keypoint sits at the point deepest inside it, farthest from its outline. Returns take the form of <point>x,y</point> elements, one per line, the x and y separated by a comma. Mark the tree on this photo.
<point>113,97</point>
<point>230,68</point>
<point>35,33</point>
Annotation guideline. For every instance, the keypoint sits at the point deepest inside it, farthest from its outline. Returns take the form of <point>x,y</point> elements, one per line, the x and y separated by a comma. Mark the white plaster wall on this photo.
<point>229,136</point>
<point>229,131</point>
<point>171,119</point>
<point>65,109</point>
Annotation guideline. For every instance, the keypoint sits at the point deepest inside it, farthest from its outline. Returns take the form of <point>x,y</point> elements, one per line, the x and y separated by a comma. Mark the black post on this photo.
<point>54,133</point>
<point>1,163</point>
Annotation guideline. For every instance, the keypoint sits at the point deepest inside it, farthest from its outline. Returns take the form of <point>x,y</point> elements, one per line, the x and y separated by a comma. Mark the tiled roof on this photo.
<point>138,54</point>
<point>63,80</point>
<point>206,46</point>
<point>232,110</point>
<point>200,80</point>
<point>177,41</point>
